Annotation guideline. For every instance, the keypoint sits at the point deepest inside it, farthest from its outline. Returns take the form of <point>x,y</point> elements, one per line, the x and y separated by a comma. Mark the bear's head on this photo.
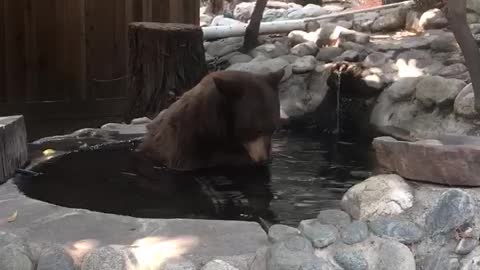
<point>254,109</point>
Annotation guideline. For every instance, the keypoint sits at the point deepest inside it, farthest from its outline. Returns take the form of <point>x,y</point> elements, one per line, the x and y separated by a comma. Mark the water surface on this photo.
<point>309,172</point>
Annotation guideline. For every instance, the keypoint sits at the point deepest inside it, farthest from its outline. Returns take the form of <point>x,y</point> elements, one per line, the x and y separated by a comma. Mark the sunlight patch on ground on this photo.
<point>80,248</point>
<point>153,252</point>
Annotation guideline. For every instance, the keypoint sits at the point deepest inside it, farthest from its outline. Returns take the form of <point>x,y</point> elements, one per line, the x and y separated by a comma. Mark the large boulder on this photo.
<point>308,11</point>
<point>445,161</point>
<point>377,196</point>
<point>390,21</point>
<point>465,103</point>
<point>436,90</point>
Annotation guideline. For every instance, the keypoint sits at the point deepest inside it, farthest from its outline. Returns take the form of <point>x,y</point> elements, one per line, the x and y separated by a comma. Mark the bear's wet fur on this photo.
<point>225,120</point>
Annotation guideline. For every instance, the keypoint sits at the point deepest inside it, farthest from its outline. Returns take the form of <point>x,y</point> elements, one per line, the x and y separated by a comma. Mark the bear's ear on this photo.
<point>227,87</point>
<point>274,78</point>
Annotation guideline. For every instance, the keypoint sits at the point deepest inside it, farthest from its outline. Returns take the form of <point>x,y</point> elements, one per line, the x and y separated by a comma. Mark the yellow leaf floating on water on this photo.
<point>13,217</point>
<point>48,152</point>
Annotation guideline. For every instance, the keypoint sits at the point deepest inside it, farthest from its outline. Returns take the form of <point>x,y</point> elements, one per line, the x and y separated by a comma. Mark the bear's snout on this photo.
<point>259,149</point>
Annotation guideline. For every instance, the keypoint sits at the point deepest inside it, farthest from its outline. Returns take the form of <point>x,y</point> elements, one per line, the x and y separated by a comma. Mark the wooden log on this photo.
<point>165,61</point>
<point>13,145</point>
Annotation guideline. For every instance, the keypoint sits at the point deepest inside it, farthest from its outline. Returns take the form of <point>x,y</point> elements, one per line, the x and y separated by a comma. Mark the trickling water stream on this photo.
<point>309,172</point>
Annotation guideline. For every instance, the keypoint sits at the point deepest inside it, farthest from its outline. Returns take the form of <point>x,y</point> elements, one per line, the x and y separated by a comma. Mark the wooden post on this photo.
<point>13,145</point>
<point>166,60</point>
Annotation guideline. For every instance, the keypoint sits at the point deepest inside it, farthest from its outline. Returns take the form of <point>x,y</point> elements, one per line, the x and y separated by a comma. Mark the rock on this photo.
<point>433,19</point>
<point>475,28</point>
<point>14,257</point>
<point>376,196</point>
<point>376,59</point>
<point>352,46</point>
<point>472,17</point>
<point>243,11</point>
<point>290,58</point>
<point>304,64</point>
<point>403,231</point>
<point>319,234</point>
<point>417,58</point>
<point>407,43</point>
<point>473,5</point>
<point>453,70</point>
<point>105,258</point>
<point>466,245</point>
<point>205,20</point>
<point>55,258</point>
<point>334,217</point>
<point>262,65</point>
<point>218,265</point>
<point>222,21</point>
<point>224,46</point>
<point>239,58</point>
<point>141,121</point>
<point>454,208</point>
<point>395,256</point>
<point>316,264</point>
<point>423,161</point>
<point>349,55</point>
<point>327,54</point>
<point>374,81</point>
<point>299,97</point>
<point>290,254</point>
<point>412,22</point>
<point>270,50</point>
<point>390,21</point>
<point>362,22</point>
<point>260,260</point>
<point>444,43</point>
<point>435,90</point>
<point>354,232</point>
<point>471,261</point>
<point>307,11</point>
<point>273,14</point>
<point>297,36</point>
<point>304,49</point>
<point>279,232</point>
<point>464,104</point>
<point>353,36</point>
<point>440,260</point>
<point>351,260</point>
<point>179,265</point>
<point>402,89</point>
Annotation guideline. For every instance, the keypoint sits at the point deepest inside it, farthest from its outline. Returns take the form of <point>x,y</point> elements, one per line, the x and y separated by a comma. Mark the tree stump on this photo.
<point>13,145</point>
<point>165,61</point>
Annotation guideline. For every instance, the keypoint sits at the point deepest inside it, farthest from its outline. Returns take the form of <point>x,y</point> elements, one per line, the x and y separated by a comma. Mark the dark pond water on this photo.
<point>310,172</point>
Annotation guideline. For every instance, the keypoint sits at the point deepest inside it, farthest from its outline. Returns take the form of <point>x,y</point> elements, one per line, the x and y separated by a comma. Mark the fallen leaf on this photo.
<point>13,217</point>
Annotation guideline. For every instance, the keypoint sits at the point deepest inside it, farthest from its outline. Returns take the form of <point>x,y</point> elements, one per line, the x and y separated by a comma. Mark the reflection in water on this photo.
<point>307,174</point>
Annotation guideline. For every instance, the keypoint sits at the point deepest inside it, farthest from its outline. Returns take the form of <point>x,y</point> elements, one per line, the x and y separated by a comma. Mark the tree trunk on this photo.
<point>457,17</point>
<point>165,61</point>
<point>13,146</point>
<point>251,33</point>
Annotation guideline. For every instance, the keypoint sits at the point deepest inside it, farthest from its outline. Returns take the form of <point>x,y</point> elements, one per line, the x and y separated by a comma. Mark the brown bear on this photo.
<point>225,120</point>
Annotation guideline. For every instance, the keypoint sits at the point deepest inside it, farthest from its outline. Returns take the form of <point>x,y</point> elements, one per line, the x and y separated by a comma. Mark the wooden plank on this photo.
<point>120,52</point>
<point>147,9</point>
<point>75,55</point>
<point>3,83</point>
<point>15,49</point>
<point>100,24</point>
<point>69,110</point>
<point>31,52</point>
<point>160,10</point>
<point>13,145</point>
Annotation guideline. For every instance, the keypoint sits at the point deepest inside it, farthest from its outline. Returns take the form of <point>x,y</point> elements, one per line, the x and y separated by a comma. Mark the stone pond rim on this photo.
<point>448,160</point>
